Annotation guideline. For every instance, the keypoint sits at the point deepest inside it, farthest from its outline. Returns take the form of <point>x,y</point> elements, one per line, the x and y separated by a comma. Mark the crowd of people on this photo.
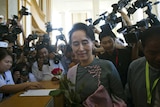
<point>122,72</point>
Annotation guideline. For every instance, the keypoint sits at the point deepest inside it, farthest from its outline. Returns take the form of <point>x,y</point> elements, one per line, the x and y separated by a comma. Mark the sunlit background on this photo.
<point>67,12</point>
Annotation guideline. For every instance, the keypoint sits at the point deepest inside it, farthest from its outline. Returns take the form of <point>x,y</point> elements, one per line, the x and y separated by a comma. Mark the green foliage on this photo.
<point>72,99</point>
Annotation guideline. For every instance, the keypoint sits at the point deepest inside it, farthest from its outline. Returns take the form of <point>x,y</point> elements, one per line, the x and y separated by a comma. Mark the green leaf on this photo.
<point>55,92</point>
<point>68,96</point>
<point>72,98</point>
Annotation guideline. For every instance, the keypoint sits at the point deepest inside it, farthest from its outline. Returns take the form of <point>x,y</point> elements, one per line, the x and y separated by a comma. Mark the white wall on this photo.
<point>13,8</point>
<point>3,11</point>
<point>67,8</point>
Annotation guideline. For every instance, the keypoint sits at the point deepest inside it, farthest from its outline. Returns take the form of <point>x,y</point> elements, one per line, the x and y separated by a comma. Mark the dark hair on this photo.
<point>106,34</point>
<point>81,26</point>
<point>3,53</point>
<point>149,33</point>
<point>51,48</point>
<point>40,46</point>
<point>68,48</point>
<point>19,67</point>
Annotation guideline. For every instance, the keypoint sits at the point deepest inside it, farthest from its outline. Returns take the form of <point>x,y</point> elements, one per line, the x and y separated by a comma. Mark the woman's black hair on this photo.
<point>149,33</point>
<point>81,26</point>
<point>3,53</point>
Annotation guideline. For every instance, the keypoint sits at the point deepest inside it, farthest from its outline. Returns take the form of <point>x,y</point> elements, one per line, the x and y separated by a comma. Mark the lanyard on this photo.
<point>116,58</point>
<point>149,92</point>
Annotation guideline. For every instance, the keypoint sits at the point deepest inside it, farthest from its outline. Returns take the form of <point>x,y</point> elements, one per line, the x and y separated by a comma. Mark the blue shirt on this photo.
<point>8,80</point>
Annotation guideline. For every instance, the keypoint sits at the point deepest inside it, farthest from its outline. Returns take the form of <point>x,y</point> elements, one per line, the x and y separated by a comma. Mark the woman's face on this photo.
<point>5,63</point>
<point>81,46</point>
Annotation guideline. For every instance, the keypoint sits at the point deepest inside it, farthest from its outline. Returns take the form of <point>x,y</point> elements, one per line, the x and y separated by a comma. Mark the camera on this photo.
<point>15,29</point>
<point>23,11</point>
<point>17,50</point>
<point>133,33</point>
<point>48,27</point>
<point>10,32</point>
<point>12,28</point>
<point>46,61</point>
<point>133,36</point>
<point>122,3</point>
<point>61,37</point>
<point>57,58</point>
<point>90,23</point>
<point>46,40</point>
<point>111,20</point>
<point>32,37</point>
<point>24,73</point>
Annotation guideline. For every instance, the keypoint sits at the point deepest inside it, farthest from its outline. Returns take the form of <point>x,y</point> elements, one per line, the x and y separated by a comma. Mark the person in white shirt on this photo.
<point>44,65</point>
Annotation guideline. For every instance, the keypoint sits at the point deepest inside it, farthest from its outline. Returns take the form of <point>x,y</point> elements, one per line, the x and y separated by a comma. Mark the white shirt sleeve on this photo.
<point>32,78</point>
<point>36,72</point>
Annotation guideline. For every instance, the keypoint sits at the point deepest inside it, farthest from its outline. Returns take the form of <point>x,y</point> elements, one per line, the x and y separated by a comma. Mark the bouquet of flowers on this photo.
<point>71,98</point>
<point>56,73</point>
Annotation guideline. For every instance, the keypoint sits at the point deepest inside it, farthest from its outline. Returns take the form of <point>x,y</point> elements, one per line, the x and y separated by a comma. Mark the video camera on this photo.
<point>57,58</point>
<point>32,37</point>
<point>23,11</point>
<point>61,36</point>
<point>48,27</point>
<point>136,5</point>
<point>111,20</point>
<point>122,3</point>
<point>15,29</point>
<point>133,33</point>
<point>90,23</point>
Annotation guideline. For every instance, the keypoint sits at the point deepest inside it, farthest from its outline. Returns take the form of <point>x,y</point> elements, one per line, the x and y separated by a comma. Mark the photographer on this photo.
<point>44,65</point>
<point>121,58</point>
<point>22,74</point>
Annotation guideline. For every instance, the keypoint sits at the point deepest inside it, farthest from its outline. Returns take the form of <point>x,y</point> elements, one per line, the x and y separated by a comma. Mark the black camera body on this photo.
<point>132,37</point>
<point>133,33</point>
<point>32,37</point>
<point>61,37</point>
<point>23,11</point>
<point>17,50</point>
<point>46,40</point>
<point>48,27</point>
<point>138,4</point>
<point>57,58</point>
<point>46,61</point>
